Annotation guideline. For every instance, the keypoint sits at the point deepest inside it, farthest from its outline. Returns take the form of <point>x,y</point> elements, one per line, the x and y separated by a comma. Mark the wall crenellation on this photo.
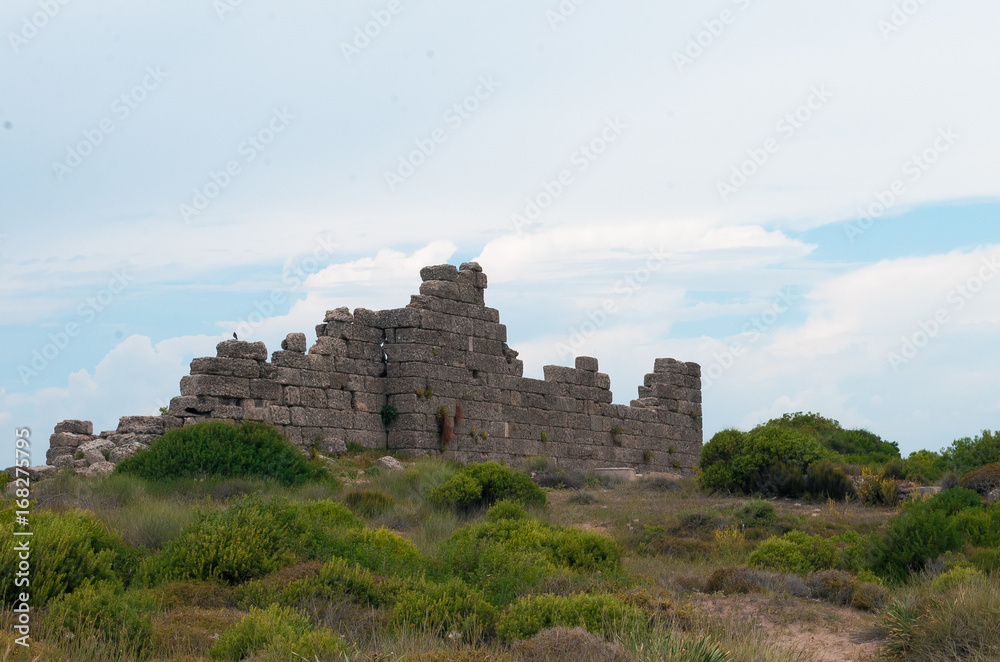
<point>458,390</point>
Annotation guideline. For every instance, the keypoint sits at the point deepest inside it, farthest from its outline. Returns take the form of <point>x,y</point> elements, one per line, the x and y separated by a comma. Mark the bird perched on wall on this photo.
<point>234,336</point>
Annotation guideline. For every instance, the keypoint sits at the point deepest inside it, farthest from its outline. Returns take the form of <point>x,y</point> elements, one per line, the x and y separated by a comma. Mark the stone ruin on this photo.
<point>433,378</point>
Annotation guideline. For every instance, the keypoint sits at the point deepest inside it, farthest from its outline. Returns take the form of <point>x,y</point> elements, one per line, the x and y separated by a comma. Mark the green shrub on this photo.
<point>506,556</point>
<point>770,460</point>
<point>979,527</point>
<point>279,631</point>
<point>68,549</point>
<point>447,607</point>
<point>827,481</point>
<point>337,580</point>
<point>105,611</point>
<point>480,485</point>
<point>369,503</point>
<point>251,538</point>
<point>596,613</point>
<point>756,513</point>
<point>389,414</point>
<point>983,480</point>
<point>856,446</point>
<point>878,490</point>
<point>969,454</point>
<point>795,552</point>
<point>506,510</point>
<point>918,535</point>
<point>217,448</point>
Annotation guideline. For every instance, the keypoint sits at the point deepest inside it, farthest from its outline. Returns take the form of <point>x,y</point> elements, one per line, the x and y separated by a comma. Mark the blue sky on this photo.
<point>173,171</point>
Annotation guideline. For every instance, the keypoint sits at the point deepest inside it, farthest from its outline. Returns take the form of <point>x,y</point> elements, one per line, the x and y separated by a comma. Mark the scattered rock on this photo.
<point>97,469</point>
<point>294,342</point>
<point>390,463</point>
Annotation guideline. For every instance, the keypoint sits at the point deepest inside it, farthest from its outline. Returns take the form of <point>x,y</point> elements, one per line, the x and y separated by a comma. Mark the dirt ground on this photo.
<point>828,633</point>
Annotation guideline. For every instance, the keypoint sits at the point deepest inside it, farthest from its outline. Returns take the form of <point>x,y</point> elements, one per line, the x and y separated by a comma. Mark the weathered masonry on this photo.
<point>434,377</point>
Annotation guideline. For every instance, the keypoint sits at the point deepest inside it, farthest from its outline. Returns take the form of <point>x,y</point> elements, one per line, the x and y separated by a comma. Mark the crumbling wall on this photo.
<point>435,377</point>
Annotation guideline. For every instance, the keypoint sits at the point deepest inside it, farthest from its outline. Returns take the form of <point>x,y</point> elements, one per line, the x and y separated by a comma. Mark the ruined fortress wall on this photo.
<point>443,364</point>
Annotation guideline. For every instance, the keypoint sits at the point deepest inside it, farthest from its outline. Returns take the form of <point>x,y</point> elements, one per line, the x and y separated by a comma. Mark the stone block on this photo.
<point>587,363</point>
<point>239,349</point>
<point>211,365</point>
<point>294,342</point>
<point>265,389</point>
<point>67,440</point>
<point>228,387</point>
<point>75,427</point>
<point>443,272</point>
<point>399,318</point>
<point>342,314</point>
<point>152,425</point>
<point>327,346</point>
<point>560,374</point>
<point>313,397</point>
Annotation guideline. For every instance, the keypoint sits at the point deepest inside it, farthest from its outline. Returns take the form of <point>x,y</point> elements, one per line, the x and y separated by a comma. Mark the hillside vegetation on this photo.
<point>785,547</point>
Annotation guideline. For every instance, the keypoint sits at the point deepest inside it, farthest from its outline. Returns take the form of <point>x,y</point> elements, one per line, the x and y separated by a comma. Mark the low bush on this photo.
<point>957,620</point>
<point>877,489</point>
<point>983,481</point>
<point>277,631</point>
<point>756,513</point>
<point>506,556</point>
<point>843,589</point>
<point>221,449</point>
<point>482,485</point>
<point>369,503</point>
<point>583,498</point>
<point>740,580</point>
<point>825,480</point>
<point>506,510</point>
<point>443,608</point>
<point>698,521</point>
<point>335,581</point>
<point>770,459</point>
<point>559,478</point>
<point>603,614</point>
<point>567,645</point>
<point>794,552</point>
<point>252,538</point>
<point>68,549</point>
<point>918,535</point>
<point>105,611</point>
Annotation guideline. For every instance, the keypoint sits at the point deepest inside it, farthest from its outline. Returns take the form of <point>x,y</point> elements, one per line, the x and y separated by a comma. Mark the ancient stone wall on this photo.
<point>434,377</point>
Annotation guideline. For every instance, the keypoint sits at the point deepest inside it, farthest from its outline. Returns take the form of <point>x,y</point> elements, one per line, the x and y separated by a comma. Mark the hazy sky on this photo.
<point>802,197</point>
